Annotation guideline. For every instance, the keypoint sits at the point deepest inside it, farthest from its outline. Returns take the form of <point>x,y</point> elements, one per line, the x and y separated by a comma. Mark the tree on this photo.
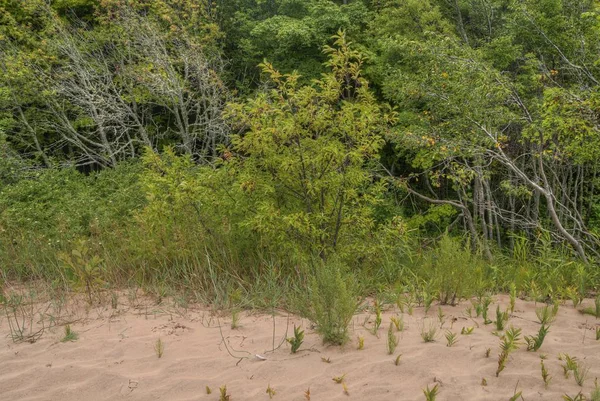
<point>303,155</point>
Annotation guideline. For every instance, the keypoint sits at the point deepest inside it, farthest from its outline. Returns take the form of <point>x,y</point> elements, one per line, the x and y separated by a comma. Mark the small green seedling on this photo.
<point>487,352</point>
<point>326,360</point>
<point>580,373</point>
<point>361,343</point>
<point>595,395</point>
<point>345,388</point>
<point>501,318</point>
<point>159,348</point>
<point>307,394</point>
<point>377,322</point>
<point>483,381</point>
<point>297,340</point>
<point>578,397</point>
<point>430,395</point>
<point>392,340</point>
<point>208,390</point>
<point>545,375</point>
<point>235,319</point>
<point>570,364</point>
<point>467,330</point>
<point>397,360</point>
<point>597,333</point>
<point>513,297</point>
<point>547,314</point>
<point>339,379</point>
<point>398,322</point>
<point>223,394</point>
<point>593,311</point>
<point>429,334</point>
<point>487,301</point>
<point>70,335</point>
<point>509,343</point>
<point>270,391</point>
<point>535,342</point>
<point>441,317</point>
<point>451,338</point>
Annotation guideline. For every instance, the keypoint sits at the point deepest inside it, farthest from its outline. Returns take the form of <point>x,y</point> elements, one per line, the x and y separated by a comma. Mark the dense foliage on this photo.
<point>215,145</point>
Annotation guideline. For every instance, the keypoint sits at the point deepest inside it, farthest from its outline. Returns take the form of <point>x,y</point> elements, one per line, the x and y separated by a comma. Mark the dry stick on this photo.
<point>224,342</point>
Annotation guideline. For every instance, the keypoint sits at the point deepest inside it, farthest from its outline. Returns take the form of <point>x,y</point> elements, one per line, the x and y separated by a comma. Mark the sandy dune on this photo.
<point>114,358</point>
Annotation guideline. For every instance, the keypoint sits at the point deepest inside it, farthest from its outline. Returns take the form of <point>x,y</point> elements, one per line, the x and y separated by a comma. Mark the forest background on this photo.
<point>240,152</point>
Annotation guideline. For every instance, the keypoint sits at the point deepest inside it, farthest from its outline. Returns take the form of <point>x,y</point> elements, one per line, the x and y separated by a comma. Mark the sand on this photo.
<point>114,357</point>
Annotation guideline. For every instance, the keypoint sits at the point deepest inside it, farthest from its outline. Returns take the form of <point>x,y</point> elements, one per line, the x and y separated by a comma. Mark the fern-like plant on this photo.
<point>430,395</point>
<point>547,314</point>
<point>509,343</point>
<point>392,340</point>
<point>501,318</point>
<point>535,342</point>
<point>297,340</point>
<point>451,338</point>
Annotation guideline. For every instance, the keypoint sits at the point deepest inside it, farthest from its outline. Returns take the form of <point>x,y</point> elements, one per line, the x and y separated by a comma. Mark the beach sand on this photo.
<point>114,357</point>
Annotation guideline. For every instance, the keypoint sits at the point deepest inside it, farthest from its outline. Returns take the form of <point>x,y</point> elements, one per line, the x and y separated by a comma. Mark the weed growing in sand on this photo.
<point>430,395</point>
<point>547,314</point>
<point>501,318</point>
<point>467,330</point>
<point>483,381</point>
<point>429,333</point>
<point>427,300</point>
<point>345,388</point>
<point>377,322</point>
<point>509,343</point>
<point>545,375</point>
<point>441,317</point>
<point>485,306</point>
<point>392,340</point>
<point>595,395</point>
<point>572,294</point>
<point>159,348</point>
<point>398,322</point>
<point>397,360</point>
<point>20,316</point>
<point>208,390</point>
<point>307,394</point>
<point>487,352</point>
<point>580,373</point>
<point>597,333</point>
<point>331,301</point>
<point>593,311</point>
<point>570,364</point>
<point>361,343</point>
<point>70,335</point>
<point>326,360</point>
<point>535,342</point>
<point>223,394</point>
<point>451,338</point>
<point>270,391</point>
<point>339,379</point>
<point>578,397</point>
<point>513,297</point>
<point>297,340</point>
<point>235,319</point>
<point>516,396</point>
<point>405,303</point>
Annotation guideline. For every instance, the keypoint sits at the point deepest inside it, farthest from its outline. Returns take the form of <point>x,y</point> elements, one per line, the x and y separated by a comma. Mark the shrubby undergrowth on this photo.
<point>295,213</point>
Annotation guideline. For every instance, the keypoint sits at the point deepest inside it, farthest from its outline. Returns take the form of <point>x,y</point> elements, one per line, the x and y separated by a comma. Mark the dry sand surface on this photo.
<point>114,357</point>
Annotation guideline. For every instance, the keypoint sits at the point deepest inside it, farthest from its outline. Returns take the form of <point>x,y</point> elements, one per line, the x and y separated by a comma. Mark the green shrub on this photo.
<point>331,301</point>
<point>452,270</point>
